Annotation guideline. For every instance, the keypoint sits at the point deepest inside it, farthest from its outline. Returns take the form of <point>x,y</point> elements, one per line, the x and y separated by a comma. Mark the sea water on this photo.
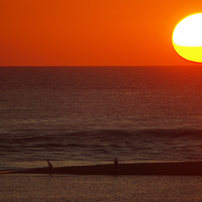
<point>89,115</point>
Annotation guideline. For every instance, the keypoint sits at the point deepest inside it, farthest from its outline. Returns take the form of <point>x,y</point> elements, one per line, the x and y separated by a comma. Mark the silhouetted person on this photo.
<point>115,164</point>
<point>50,167</point>
<point>49,164</point>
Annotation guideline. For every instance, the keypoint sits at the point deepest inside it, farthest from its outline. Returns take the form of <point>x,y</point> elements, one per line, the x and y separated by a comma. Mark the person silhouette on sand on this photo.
<point>115,164</point>
<point>50,167</point>
<point>49,164</point>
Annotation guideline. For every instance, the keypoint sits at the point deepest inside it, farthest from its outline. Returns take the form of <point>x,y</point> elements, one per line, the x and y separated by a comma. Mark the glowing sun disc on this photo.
<point>187,38</point>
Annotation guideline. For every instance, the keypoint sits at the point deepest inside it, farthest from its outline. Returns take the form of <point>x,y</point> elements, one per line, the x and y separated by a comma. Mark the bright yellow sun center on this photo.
<point>187,38</point>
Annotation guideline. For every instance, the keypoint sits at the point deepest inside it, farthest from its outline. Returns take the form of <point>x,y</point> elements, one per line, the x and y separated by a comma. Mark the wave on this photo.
<point>104,135</point>
<point>106,140</point>
<point>102,146</point>
<point>76,145</point>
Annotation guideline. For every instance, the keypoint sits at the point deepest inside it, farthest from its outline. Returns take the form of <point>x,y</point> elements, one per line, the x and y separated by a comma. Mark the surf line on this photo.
<point>161,168</point>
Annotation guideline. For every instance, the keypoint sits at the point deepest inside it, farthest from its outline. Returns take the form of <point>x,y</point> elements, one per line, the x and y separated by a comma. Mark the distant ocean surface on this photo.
<point>88,115</point>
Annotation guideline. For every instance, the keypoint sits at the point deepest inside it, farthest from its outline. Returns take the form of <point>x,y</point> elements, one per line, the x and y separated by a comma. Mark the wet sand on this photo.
<point>168,168</point>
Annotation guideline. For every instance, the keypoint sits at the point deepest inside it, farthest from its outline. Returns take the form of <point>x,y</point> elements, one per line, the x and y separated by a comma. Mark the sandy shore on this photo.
<point>170,168</point>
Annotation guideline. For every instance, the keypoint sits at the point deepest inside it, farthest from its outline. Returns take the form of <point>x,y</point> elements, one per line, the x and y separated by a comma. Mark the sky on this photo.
<point>91,32</point>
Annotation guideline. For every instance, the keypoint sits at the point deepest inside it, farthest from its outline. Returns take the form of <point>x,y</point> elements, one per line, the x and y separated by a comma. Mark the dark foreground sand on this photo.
<point>170,168</point>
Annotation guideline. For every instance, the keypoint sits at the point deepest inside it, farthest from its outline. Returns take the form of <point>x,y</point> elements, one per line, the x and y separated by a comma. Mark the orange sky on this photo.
<point>91,32</point>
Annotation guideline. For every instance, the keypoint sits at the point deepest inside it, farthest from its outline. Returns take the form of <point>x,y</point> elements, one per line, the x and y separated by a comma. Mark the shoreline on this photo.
<point>165,168</point>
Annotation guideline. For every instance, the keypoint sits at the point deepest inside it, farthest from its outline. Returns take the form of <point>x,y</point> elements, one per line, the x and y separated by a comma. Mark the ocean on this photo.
<point>89,115</point>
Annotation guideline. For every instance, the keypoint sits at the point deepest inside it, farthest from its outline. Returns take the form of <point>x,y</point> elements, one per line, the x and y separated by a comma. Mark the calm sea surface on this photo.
<point>88,115</point>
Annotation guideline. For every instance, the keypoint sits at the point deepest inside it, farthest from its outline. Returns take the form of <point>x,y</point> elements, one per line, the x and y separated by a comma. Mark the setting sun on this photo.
<point>187,38</point>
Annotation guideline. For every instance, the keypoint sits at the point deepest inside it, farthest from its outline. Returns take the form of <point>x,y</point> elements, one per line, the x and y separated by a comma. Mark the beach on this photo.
<point>80,188</point>
<point>163,168</point>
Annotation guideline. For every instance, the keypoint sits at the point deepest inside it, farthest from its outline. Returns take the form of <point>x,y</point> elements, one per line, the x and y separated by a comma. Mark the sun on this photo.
<point>187,38</point>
